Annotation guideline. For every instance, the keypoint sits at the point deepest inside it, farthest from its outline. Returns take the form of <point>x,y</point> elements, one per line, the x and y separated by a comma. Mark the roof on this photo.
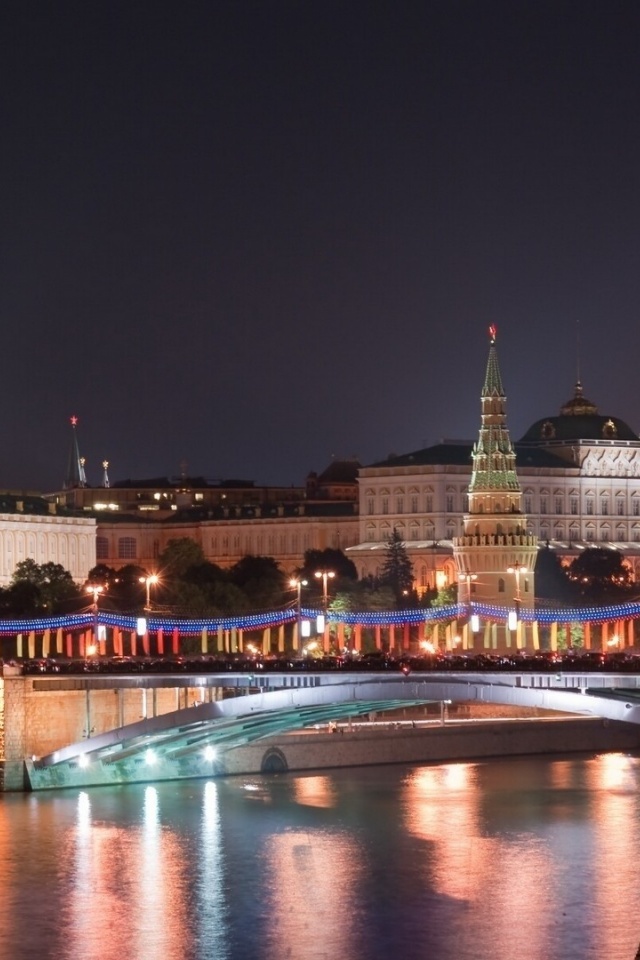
<point>459,454</point>
<point>340,471</point>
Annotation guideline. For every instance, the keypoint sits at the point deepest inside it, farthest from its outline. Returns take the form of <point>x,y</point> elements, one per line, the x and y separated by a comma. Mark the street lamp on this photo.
<point>516,570</point>
<point>95,590</point>
<point>153,578</point>
<point>298,584</point>
<point>326,575</point>
<point>468,578</point>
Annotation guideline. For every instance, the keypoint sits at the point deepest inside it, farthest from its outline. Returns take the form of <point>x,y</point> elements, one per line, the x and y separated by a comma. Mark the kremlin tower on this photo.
<point>495,557</point>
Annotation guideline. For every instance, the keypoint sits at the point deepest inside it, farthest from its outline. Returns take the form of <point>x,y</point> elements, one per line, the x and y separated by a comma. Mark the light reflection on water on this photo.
<point>534,859</point>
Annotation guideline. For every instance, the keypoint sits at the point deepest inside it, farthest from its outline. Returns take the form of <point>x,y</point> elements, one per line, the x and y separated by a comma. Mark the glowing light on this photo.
<point>150,757</point>
<point>209,753</point>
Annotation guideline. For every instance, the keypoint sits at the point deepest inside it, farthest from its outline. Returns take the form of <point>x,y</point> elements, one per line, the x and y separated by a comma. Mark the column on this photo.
<point>357,637</point>
<point>553,636</point>
<point>378,637</point>
<point>392,638</point>
<point>69,645</point>
<point>281,638</point>
<point>59,640</point>
<point>630,634</point>
<point>175,641</point>
<point>134,643</point>
<point>160,638</point>
<point>46,641</point>
<point>587,635</point>
<point>535,635</point>
<point>19,645</point>
<point>204,641</point>
<point>406,636</point>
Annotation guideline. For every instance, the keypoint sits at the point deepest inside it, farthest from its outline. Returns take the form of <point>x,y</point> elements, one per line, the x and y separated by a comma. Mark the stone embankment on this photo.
<point>383,743</point>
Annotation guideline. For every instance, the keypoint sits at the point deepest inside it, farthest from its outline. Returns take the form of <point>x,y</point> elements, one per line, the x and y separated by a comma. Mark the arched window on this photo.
<point>102,548</point>
<point>500,585</point>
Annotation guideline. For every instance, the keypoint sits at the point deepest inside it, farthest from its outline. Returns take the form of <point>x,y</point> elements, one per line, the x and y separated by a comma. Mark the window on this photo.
<point>620,507</point>
<point>574,506</point>
<point>449,503</point>
<point>127,548</point>
<point>429,503</point>
<point>370,508</point>
<point>559,505</point>
<point>102,548</point>
<point>385,504</point>
<point>399,504</point>
<point>604,503</point>
<point>636,508</point>
<point>590,507</point>
<point>527,505</point>
<point>500,585</point>
<point>414,504</point>
<point>543,504</point>
<point>589,534</point>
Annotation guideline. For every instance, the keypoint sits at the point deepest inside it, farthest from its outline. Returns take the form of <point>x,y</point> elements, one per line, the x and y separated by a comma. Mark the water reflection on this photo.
<point>531,858</point>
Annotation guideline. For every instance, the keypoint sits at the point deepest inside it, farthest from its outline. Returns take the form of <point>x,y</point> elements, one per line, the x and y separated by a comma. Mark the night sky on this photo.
<point>251,236</point>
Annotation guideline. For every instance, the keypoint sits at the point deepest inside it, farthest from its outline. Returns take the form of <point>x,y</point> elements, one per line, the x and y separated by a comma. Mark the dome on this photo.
<point>579,420</point>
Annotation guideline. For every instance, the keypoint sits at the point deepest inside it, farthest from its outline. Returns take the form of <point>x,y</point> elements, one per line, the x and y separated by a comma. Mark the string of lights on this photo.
<point>277,618</point>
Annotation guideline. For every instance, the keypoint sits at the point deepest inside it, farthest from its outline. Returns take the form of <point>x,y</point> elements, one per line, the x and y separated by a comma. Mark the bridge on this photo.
<point>190,741</point>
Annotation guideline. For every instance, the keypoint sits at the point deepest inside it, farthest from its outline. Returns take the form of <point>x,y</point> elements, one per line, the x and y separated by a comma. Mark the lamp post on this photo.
<point>95,591</point>
<point>326,575</point>
<point>153,578</point>
<point>467,578</point>
<point>298,584</point>
<point>516,570</point>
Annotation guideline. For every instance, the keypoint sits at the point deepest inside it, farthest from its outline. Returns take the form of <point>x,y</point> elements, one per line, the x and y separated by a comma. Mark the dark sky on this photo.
<point>253,235</point>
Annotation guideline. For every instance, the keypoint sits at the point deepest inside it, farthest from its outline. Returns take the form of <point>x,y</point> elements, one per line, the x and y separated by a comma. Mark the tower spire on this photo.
<point>495,539</point>
<point>76,476</point>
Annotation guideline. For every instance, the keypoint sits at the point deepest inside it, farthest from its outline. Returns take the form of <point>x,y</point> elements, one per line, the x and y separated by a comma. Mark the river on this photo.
<point>512,859</point>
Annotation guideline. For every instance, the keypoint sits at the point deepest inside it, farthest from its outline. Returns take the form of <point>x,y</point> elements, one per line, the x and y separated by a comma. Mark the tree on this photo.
<point>328,559</point>
<point>42,589</point>
<point>397,570</point>
<point>601,574</point>
<point>261,580</point>
<point>179,555</point>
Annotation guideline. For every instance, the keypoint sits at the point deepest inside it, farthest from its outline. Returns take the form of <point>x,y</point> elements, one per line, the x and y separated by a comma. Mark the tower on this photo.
<point>495,557</point>
<point>76,476</point>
